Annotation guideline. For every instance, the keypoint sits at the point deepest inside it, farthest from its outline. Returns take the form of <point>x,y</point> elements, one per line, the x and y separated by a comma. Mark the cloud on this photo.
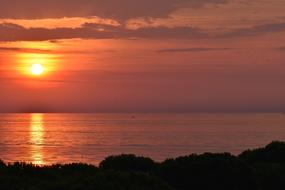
<point>29,50</point>
<point>118,9</point>
<point>282,48</point>
<point>46,51</point>
<point>9,79</point>
<point>256,30</point>
<point>195,49</point>
<point>13,32</point>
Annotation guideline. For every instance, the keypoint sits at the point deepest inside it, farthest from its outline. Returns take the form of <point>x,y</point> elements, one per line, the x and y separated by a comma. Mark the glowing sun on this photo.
<point>37,69</point>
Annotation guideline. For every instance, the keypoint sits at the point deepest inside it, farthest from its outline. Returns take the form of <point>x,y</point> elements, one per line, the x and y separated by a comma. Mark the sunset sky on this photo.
<point>142,56</point>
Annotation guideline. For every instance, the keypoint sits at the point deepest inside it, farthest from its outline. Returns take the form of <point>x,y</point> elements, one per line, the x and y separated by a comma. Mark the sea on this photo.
<point>46,139</point>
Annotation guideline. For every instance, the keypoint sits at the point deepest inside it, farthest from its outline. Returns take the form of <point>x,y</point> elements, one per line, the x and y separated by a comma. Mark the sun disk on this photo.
<point>37,69</point>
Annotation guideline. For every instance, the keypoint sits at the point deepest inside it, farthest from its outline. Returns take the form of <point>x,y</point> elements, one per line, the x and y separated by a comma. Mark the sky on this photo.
<point>142,56</point>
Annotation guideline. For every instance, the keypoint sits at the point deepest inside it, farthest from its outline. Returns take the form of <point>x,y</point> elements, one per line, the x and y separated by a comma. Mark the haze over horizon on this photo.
<point>142,56</point>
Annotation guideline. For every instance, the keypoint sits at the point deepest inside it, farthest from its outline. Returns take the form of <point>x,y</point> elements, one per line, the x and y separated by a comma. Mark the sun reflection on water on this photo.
<point>37,138</point>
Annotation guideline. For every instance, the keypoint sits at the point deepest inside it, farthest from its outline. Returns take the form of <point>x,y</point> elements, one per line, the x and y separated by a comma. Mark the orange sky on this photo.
<point>142,56</point>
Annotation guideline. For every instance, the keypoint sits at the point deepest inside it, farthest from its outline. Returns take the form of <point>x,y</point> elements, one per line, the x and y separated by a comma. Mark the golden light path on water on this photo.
<point>90,138</point>
<point>36,138</point>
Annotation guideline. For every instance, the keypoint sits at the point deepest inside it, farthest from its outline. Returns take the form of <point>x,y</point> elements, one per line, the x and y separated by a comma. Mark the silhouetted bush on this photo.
<point>270,176</point>
<point>274,152</point>
<point>74,177</point>
<point>268,164</point>
<point>127,162</point>
<point>207,171</point>
<point>123,181</point>
<point>258,169</point>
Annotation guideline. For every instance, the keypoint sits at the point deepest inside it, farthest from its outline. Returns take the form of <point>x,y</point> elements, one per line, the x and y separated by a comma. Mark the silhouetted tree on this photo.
<point>274,152</point>
<point>127,162</point>
<point>207,172</point>
<point>258,169</point>
<point>268,164</point>
<point>20,176</point>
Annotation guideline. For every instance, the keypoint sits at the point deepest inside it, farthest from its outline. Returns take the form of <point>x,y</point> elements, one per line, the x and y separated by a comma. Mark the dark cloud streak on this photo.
<point>13,32</point>
<point>116,9</point>
<point>256,30</point>
<point>195,49</point>
<point>29,50</point>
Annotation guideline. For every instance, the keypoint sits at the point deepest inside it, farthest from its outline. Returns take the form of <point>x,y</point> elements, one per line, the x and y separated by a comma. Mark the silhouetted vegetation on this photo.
<point>258,169</point>
<point>74,177</point>
<point>268,164</point>
<point>127,162</point>
<point>272,153</point>
<point>207,171</point>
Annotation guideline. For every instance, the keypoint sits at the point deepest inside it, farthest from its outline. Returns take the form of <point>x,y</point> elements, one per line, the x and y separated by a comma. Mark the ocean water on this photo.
<point>89,138</point>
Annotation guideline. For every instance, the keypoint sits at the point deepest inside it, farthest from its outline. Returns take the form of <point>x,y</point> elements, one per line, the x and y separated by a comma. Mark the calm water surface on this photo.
<point>61,138</point>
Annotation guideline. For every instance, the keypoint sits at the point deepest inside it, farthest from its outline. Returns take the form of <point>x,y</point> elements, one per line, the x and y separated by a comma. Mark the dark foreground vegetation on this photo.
<point>259,169</point>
